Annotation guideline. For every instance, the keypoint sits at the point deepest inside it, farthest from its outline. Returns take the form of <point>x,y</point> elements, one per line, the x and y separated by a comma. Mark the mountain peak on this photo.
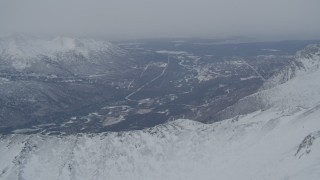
<point>18,46</point>
<point>67,42</point>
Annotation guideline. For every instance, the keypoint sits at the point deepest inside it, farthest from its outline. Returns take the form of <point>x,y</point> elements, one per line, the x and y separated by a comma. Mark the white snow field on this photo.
<point>281,142</point>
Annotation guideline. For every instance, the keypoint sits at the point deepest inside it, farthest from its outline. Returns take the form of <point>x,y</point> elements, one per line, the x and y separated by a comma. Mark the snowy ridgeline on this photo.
<point>261,145</point>
<point>22,46</point>
<point>279,142</point>
<point>22,51</point>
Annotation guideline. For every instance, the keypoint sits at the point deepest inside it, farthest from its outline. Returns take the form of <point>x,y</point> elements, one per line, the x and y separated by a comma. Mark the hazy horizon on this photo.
<point>124,19</point>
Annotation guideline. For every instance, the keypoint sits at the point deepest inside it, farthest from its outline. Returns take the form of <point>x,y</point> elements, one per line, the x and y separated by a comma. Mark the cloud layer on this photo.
<point>165,18</point>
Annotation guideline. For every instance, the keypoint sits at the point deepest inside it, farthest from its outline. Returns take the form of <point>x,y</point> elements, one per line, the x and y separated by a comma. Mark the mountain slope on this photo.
<point>296,85</point>
<point>262,145</point>
<point>44,79</point>
<point>280,141</point>
<point>57,56</point>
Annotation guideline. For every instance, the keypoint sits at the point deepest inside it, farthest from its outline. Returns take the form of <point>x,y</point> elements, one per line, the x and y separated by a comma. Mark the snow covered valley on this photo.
<point>279,140</point>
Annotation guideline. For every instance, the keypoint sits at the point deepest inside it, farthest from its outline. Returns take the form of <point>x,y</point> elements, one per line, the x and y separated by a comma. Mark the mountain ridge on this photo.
<point>22,51</point>
<point>270,95</point>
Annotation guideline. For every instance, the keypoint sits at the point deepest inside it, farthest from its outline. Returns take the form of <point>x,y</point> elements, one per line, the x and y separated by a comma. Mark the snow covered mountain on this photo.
<point>42,78</point>
<point>295,86</point>
<point>278,138</point>
<point>22,47</point>
<point>57,55</point>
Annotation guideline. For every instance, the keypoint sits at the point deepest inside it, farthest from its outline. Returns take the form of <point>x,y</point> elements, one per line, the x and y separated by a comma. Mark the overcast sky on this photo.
<point>286,19</point>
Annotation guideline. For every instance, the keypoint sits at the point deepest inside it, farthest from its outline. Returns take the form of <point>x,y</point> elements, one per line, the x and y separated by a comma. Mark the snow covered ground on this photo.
<point>281,142</point>
<point>262,145</point>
